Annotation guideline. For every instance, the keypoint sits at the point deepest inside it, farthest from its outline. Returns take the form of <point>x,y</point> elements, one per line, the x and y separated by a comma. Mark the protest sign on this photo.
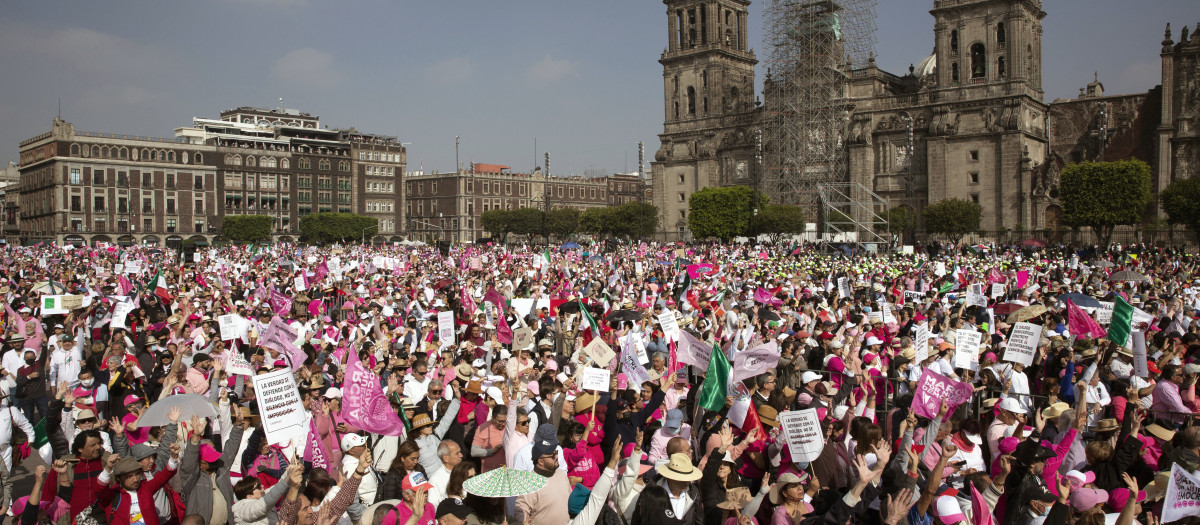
<point>939,269</point>
<point>52,305</point>
<point>601,353</point>
<point>888,316</point>
<point>844,288</point>
<point>975,296</point>
<point>1183,495</point>
<point>1022,343</point>
<point>803,432</point>
<point>120,310</point>
<point>630,364</point>
<point>298,283</point>
<point>72,302</point>
<point>1140,367</point>
<point>997,290</point>
<point>522,338</point>
<point>933,388</point>
<point>595,379</point>
<point>230,326</point>
<point>875,316</point>
<point>279,405</point>
<point>754,361</point>
<point>670,327</point>
<point>913,297</point>
<point>236,363</point>
<point>1104,312</point>
<point>921,343</point>
<point>446,327</point>
<point>966,348</point>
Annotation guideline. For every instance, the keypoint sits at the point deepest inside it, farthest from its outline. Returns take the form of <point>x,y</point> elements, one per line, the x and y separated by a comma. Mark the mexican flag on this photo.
<point>716,381</point>
<point>160,286</point>
<point>546,259</point>
<point>1121,323</point>
<point>592,327</point>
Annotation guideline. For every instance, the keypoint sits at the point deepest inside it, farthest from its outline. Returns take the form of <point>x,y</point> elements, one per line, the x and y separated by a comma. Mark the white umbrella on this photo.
<point>190,404</point>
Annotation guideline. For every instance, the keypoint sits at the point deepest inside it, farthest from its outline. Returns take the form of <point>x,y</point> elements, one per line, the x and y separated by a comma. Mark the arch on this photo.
<point>104,151</point>
<point>237,160</point>
<point>1052,222</point>
<point>174,241</point>
<point>75,240</point>
<point>170,156</point>
<point>978,60</point>
<point>101,238</point>
<point>228,159</point>
<point>95,151</point>
<point>145,154</point>
<point>305,164</point>
<point>151,240</point>
<point>691,100</point>
<point>953,41</point>
<point>285,164</point>
<point>267,162</point>
<point>250,161</point>
<point>1000,36</point>
<point>199,158</point>
<point>74,150</point>
<point>285,238</point>
<point>124,153</point>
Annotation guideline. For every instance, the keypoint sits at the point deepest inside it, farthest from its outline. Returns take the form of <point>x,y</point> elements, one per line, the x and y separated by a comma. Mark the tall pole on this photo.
<point>457,166</point>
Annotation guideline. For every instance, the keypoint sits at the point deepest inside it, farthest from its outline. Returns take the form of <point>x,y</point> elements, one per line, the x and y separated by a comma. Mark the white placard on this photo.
<point>523,305</point>
<point>446,327</point>
<point>921,343</point>
<point>997,290</point>
<point>888,316</point>
<point>913,296</point>
<point>1022,343</point>
<point>844,288</point>
<point>235,363</point>
<point>279,405</point>
<point>975,295</point>
<point>298,284</point>
<point>230,326</point>
<point>133,267</point>
<point>1140,367</point>
<point>601,353</point>
<point>802,430</point>
<point>595,379</point>
<point>1182,497</point>
<point>966,348</point>
<point>1104,312</point>
<point>195,257</point>
<point>875,316</point>
<point>939,269</point>
<point>670,326</point>
<point>120,310</point>
<point>52,305</point>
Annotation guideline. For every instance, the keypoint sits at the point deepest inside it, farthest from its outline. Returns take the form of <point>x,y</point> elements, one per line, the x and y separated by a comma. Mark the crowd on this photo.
<point>633,383</point>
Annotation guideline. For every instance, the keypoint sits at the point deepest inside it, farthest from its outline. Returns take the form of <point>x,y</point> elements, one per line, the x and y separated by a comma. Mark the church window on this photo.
<point>975,198</point>
<point>974,155</point>
<point>1000,67</point>
<point>677,109</point>
<point>682,178</point>
<point>954,71</point>
<point>974,177</point>
<point>705,105</point>
<point>953,41</point>
<point>1000,33</point>
<point>691,100</point>
<point>978,61</point>
<point>682,197</point>
<point>704,78</point>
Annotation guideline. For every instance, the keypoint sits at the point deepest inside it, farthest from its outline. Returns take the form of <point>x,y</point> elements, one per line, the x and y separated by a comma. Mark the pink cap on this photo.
<point>1009,444</point>
<point>208,453</point>
<point>990,356</point>
<point>551,365</point>
<point>131,399</point>
<point>1083,499</point>
<point>1118,498</point>
<point>947,510</point>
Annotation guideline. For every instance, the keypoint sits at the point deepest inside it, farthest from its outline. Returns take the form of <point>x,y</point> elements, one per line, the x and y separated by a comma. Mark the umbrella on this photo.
<point>191,404</point>
<point>570,245</point>
<point>1127,275</point>
<point>44,286</point>
<point>768,315</point>
<point>1034,242</point>
<point>505,482</point>
<point>1026,313</point>
<point>1007,308</point>
<point>1080,300</point>
<point>624,315</point>
<point>1103,264</point>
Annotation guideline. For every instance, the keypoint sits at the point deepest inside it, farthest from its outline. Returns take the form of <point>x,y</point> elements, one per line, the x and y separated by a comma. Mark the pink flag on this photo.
<point>696,271</point>
<point>933,388</point>
<point>504,332</point>
<point>126,286</point>
<point>981,512</point>
<point>316,308</point>
<point>1022,278</point>
<point>322,270</point>
<point>281,303</point>
<point>279,336</point>
<point>761,295</point>
<point>1082,324</point>
<point>315,452</point>
<point>995,276</point>
<point>364,404</point>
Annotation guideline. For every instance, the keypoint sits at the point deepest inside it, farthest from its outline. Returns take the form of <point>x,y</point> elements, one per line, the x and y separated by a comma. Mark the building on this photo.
<point>448,206</point>
<point>10,178</point>
<point>966,122</point>
<point>628,187</point>
<point>84,188</point>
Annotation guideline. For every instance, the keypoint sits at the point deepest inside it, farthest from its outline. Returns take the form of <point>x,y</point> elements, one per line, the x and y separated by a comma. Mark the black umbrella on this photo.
<point>624,315</point>
<point>768,315</point>
<point>1083,301</point>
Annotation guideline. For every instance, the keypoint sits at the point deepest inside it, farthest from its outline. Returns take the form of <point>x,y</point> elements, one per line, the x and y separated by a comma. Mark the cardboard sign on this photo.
<point>933,388</point>
<point>601,353</point>
<point>279,405</point>
<point>595,379</point>
<point>966,348</point>
<point>1183,495</point>
<point>1022,343</point>
<point>921,343</point>
<point>670,326</point>
<point>802,429</point>
<point>1140,367</point>
<point>230,327</point>
<point>446,327</point>
<point>52,305</point>
<point>298,283</point>
<point>522,338</point>
<point>975,296</point>
<point>1104,312</point>
<point>913,297</point>
<point>630,363</point>
<point>236,363</point>
<point>120,310</point>
<point>844,288</point>
<point>997,290</point>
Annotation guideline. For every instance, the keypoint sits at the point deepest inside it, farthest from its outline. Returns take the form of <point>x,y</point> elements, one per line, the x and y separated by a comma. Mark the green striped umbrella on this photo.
<point>504,482</point>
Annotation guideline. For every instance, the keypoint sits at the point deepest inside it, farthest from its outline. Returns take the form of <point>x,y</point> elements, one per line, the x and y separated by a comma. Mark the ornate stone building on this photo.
<point>966,122</point>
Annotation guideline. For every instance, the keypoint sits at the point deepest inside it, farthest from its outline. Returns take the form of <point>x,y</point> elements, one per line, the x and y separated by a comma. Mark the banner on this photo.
<point>72,302</point>
<point>933,388</point>
<point>802,430</point>
<point>630,363</point>
<point>364,404</point>
<point>913,297</point>
<point>1140,367</point>
<point>754,361</point>
<point>921,344</point>
<point>315,452</point>
<point>280,303</point>
<point>279,405</point>
<point>1183,495</point>
<point>52,305</point>
<point>445,322</point>
<point>1022,343</point>
<point>693,351</point>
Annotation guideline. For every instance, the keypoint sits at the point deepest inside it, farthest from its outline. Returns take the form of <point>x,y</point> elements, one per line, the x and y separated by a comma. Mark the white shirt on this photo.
<point>13,360</point>
<point>680,504</point>
<point>439,480</point>
<point>1097,395</point>
<point>64,366</point>
<point>369,483</point>
<point>8,416</point>
<point>414,389</point>
<point>523,460</point>
<point>1121,369</point>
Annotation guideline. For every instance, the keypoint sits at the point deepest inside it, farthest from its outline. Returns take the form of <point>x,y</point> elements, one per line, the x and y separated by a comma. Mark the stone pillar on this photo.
<point>741,17</point>
<point>672,30</point>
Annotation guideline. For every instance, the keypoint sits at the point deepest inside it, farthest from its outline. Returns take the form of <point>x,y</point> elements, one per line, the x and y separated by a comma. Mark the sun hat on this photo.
<point>679,468</point>
<point>1055,410</point>
<point>125,465</point>
<point>768,415</point>
<point>1160,432</point>
<point>474,387</point>
<point>784,480</point>
<point>584,401</point>
<point>421,420</point>
<point>1107,424</point>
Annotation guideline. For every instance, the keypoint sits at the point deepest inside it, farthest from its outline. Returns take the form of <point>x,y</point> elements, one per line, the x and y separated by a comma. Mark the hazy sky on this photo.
<point>580,77</point>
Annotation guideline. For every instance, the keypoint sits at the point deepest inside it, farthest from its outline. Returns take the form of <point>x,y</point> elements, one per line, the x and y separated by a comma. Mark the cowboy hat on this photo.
<point>474,387</point>
<point>679,468</point>
<point>464,371</point>
<point>768,416</point>
<point>785,479</point>
<point>1105,425</point>
<point>421,420</point>
<point>1160,432</point>
<point>584,402</point>
<point>1055,410</point>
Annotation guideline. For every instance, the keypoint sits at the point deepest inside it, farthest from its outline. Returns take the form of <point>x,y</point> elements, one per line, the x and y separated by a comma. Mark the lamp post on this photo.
<point>364,233</point>
<point>457,166</point>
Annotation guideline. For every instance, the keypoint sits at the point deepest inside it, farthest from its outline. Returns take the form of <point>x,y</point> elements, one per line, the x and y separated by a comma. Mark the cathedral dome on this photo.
<point>926,67</point>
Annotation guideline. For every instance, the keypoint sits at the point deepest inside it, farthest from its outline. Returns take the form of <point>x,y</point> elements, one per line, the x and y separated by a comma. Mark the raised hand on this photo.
<point>111,462</point>
<point>61,466</point>
<point>364,459</point>
<point>39,473</point>
<point>295,474</point>
<point>1006,464</point>
<point>949,450</point>
<point>897,508</point>
<point>116,425</point>
<point>174,414</point>
<point>883,453</point>
<point>174,448</point>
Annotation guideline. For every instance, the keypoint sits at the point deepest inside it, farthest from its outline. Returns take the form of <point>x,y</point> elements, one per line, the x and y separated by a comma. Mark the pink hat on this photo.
<point>1083,499</point>
<point>208,453</point>
<point>1009,444</point>
<point>990,356</point>
<point>551,365</point>
<point>947,509</point>
<point>1079,479</point>
<point>534,388</point>
<point>55,509</point>
<point>1118,498</point>
<point>131,399</point>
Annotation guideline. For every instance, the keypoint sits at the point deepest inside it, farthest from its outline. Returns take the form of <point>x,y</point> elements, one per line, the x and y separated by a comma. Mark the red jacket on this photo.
<point>116,502</point>
<point>86,488</point>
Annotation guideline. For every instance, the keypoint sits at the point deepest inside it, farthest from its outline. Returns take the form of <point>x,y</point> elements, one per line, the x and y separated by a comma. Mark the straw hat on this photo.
<point>1055,410</point>
<point>784,480</point>
<point>679,468</point>
<point>474,387</point>
<point>421,420</point>
<point>464,371</point>
<point>585,402</point>
<point>1160,432</point>
<point>736,499</point>
<point>1105,425</point>
<point>769,416</point>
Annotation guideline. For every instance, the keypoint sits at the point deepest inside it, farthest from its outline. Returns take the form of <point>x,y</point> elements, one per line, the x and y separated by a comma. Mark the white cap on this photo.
<point>809,377</point>
<point>1011,405</point>
<point>333,392</point>
<point>350,441</point>
<point>872,341</point>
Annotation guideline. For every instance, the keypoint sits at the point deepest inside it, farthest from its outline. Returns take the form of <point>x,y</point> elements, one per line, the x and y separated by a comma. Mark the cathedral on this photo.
<point>968,121</point>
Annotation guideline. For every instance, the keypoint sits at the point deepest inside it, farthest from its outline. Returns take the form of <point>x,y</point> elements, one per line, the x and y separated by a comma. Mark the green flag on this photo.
<point>716,381</point>
<point>40,437</point>
<point>1122,320</point>
<point>587,316</point>
<point>946,287</point>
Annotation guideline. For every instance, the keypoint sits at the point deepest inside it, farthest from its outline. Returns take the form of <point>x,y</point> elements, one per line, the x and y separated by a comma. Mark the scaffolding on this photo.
<point>852,213</point>
<point>812,44</point>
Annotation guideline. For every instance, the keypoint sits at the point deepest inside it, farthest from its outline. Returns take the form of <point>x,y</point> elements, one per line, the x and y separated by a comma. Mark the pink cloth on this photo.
<point>1050,473</point>
<point>581,463</point>
<point>594,438</point>
<point>141,435</point>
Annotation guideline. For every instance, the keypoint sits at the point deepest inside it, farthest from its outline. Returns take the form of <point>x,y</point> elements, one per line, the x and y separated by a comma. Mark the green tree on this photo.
<point>635,220</point>
<point>337,227</point>
<point>900,220</point>
<point>723,213</point>
<point>598,221</point>
<point>246,228</point>
<point>1104,195</point>
<point>498,223</point>
<point>562,222</point>
<point>953,218</point>
<point>529,222</point>
<point>1181,201</point>
<point>779,220</point>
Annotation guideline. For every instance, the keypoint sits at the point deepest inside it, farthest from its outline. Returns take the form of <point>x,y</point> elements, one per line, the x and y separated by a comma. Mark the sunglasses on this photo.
<point>523,422</point>
<point>432,391</point>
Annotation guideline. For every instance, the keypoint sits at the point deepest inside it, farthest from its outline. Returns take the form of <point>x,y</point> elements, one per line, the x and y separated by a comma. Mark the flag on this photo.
<point>981,512</point>
<point>716,381</point>
<point>681,296</point>
<point>546,256</point>
<point>315,452</point>
<point>364,405</point>
<point>1122,321</point>
<point>1081,324</point>
<point>39,437</point>
<point>761,295</point>
<point>587,317</point>
<point>126,286</point>
<point>281,303</point>
<point>745,416</point>
<point>160,286</point>
<point>946,287</point>
<point>754,361</point>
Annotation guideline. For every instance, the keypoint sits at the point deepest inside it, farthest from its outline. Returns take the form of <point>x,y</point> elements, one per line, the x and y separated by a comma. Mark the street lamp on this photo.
<point>364,233</point>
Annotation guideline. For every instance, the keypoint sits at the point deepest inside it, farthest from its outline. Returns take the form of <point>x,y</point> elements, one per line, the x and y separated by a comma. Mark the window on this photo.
<point>98,204</point>
<point>76,176</point>
<point>305,164</point>
<point>954,71</point>
<point>199,182</point>
<point>199,157</point>
<point>171,206</point>
<point>74,150</point>
<point>97,176</point>
<point>123,225</point>
<point>1000,33</point>
<point>76,224</point>
<point>975,198</point>
<point>953,41</point>
<point>323,165</point>
<point>147,205</point>
<point>433,188</point>
<point>470,187</point>
<point>170,225</point>
<point>285,163</point>
<point>508,188</point>
<point>974,177</point>
<point>1001,70</point>
<point>76,203</point>
<point>198,226</point>
<point>122,205</point>
<point>100,225</point>
<point>973,155</point>
<point>978,61</point>
<point>571,192</point>
<point>250,161</point>
<point>170,181</point>
<point>593,193</point>
<point>691,100</point>
<point>682,197</point>
<point>147,180</point>
<point>199,207</point>
<point>147,225</point>
<point>682,178</point>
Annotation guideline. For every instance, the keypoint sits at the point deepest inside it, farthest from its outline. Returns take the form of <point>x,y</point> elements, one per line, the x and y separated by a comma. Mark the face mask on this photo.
<point>87,383</point>
<point>29,361</point>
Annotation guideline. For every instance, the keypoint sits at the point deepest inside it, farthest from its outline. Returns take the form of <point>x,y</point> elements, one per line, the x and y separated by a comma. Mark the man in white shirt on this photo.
<point>1122,366</point>
<point>451,455</point>
<point>352,447</point>
<point>65,363</point>
<point>416,384</point>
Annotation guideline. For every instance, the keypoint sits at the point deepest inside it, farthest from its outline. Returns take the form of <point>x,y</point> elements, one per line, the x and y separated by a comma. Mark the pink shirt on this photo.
<point>427,517</point>
<point>141,435</point>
